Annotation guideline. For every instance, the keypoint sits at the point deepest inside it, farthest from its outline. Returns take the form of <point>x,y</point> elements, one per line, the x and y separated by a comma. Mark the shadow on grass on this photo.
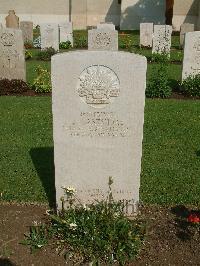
<point>43,161</point>
<point>6,262</point>
<point>184,228</point>
<point>174,84</point>
<point>198,153</point>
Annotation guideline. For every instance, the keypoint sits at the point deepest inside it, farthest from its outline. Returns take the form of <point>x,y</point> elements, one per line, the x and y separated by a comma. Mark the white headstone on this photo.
<point>49,36</point>
<point>12,61</point>
<point>186,27</point>
<point>191,61</point>
<point>146,34</point>
<point>162,39</point>
<point>27,30</point>
<point>109,26</point>
<point>98,114</point>
<point>66,32</point>
<point>102,39</point>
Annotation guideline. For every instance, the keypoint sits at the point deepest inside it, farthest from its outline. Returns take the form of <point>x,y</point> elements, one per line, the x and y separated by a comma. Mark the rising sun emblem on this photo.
<point>98,85</point>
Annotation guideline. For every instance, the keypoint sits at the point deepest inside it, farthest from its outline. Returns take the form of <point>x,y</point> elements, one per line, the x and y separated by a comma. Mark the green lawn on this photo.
<point>171,151</point>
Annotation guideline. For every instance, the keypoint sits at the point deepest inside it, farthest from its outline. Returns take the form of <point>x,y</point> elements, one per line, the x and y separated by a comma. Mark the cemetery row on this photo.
<point>105,37</point>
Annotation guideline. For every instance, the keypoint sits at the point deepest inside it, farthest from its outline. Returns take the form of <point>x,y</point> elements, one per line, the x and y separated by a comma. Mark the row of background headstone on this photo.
<point>63,31</point>
<point>159,36</point>
<point>156,36</point>
<point>105,37</point>
<point>52,34</point>
<point>12,59</point>
<point>151,35</point>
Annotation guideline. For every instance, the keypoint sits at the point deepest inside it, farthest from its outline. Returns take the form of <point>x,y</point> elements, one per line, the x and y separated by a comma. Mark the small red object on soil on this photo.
<point>194,218</point>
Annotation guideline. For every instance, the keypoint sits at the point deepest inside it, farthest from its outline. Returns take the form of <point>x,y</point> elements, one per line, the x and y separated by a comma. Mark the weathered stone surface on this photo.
<point>66,32</point>
<point>12,21</point>
<point>191,61</point>
<point>109,26</point>
<point>27,30</point>
<point>12,62</point>
<point>186,27</point>
<point>103,39</point>
<point>98,114</point>
<point>49,36</point>
<point>162,39</point>
<point>146,34</point>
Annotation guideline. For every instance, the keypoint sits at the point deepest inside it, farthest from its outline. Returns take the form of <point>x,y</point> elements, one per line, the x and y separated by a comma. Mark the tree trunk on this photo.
<point>169,12</point>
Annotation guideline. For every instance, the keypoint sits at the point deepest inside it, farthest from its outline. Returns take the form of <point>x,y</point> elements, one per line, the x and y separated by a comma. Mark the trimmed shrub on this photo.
<point>65,45</point>
<point>191,86</point>
<point>46,54</point>
<point>160,58</point>
<point>158,86</point>
<point>42,83</point>
<point>80,42</point>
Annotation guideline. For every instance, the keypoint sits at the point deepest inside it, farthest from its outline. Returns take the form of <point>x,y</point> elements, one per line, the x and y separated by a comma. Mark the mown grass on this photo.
<point>26,125</point>
<point>171,151</point>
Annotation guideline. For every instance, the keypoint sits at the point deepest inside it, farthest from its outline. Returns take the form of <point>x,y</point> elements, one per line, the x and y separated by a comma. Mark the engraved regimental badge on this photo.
<point>98,85</point>
<point>7,39</point>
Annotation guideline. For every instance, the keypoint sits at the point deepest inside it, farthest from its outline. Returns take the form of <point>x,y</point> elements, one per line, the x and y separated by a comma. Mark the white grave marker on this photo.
<point>191,61</point>
<point>103,39</point>
<point>66,32</point>
<point>49,36</point>
<point>27,30</point>
<point>162,39</point>
<point>98,115</point>
<point>186,27</point>
<point>146,34</point>
<point>109,26</point>
<point>12,61</point>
